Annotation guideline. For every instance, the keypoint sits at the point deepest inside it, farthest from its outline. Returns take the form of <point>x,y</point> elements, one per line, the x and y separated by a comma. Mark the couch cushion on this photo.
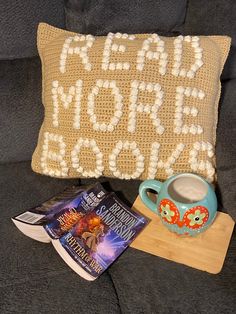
<point>33,277</point>
<point>214,18</point>
<point>21,108</point>
<point>226,148</point>
<point>149,284</point>
<point>99,17</point>
<point>143,283</point>
<point>19,21</point>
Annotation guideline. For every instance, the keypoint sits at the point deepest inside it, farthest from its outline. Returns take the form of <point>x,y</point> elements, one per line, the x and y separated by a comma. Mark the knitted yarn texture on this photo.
<point>128,106</point>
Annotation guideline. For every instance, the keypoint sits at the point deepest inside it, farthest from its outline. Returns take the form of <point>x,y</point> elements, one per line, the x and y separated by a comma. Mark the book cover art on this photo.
<point>44,212</point>
<point>72,211</point>
<point>102,235</point>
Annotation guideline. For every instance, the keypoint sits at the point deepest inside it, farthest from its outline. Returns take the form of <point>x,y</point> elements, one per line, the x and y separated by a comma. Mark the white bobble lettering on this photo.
<point>57,157</point>
<point>151,109</point>
<point>81,51</point>
<point>118,104</point>
<point>202,165</point>
<point>135,152</point>
<point>180,110</point>
<point>110,47</point>
<point>178,52</point>
<point>58,95</point>
<point>159,54</point>
<point>155,163</point>
<point>99,168</point>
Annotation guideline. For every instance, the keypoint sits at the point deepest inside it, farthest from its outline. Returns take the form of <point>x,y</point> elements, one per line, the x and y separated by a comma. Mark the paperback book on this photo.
<point>88,227</point>
<point>100,237</point>
<point>57,215</point>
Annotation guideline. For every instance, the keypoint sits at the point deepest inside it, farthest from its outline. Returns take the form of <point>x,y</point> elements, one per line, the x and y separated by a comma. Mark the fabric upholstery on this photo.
<point>34,279</point>
<point>149,284</point>
<point>99,17</point>
<point>21,108</point>
<point>214,17</point>
<point>226,148</point>
<point>19,21</point>
<point>192,17</point>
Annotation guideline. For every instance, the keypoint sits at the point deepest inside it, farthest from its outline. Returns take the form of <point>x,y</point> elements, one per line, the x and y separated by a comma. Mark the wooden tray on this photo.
<point>205,252</point>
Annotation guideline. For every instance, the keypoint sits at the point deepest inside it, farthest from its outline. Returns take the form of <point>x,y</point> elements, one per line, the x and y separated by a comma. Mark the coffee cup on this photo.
<point>186,203</point>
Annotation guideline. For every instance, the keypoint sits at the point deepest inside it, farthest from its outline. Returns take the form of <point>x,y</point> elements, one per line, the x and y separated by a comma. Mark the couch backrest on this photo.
<point>20,80</point>
<point>19,21</point>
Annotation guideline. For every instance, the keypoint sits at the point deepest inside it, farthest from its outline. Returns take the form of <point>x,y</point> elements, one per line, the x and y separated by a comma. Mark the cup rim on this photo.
<point>188,175</point>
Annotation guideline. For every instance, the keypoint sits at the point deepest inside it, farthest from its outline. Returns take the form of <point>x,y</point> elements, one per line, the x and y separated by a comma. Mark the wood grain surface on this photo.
<point>205,252</point>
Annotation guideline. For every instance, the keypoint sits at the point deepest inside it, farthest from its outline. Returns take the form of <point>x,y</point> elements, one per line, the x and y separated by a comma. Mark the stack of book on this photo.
<point>88,227</point>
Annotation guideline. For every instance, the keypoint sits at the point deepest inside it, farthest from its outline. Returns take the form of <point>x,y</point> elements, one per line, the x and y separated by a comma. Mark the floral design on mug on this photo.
<point>189,217</point>
<point>166,212</point>
<point>169,211</point>
<point>196,217</point>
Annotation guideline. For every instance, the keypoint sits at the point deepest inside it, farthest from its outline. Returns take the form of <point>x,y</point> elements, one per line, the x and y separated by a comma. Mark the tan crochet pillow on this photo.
<point>128,106</point>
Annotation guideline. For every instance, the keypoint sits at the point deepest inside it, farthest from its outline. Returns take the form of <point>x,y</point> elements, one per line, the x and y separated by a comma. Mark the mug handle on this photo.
<point>152,185</point>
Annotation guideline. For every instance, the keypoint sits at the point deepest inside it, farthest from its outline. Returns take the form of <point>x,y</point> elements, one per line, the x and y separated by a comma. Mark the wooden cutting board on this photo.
<point>205,252</point>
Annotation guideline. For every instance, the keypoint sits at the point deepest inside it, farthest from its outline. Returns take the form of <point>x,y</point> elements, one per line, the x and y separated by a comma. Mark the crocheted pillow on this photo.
<point>128,106</point>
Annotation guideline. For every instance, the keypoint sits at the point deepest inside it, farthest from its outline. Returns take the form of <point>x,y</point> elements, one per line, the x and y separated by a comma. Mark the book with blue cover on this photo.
<point>87,226</point>
<point>74,210</point>
<point>99,237</point>
<point>57,215</point>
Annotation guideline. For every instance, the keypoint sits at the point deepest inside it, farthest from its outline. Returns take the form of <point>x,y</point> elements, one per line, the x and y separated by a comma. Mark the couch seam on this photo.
<point>114,287</point>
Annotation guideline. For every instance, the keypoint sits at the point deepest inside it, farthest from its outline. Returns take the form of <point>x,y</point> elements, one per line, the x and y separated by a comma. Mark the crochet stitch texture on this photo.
<point>128,106</point>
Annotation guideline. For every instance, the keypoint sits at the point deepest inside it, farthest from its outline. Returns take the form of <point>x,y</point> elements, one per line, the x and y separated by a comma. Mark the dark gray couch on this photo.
<point>33,278</point>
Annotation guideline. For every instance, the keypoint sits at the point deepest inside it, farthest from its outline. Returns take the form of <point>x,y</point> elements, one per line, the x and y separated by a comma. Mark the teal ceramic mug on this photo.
<point>186,203</point>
